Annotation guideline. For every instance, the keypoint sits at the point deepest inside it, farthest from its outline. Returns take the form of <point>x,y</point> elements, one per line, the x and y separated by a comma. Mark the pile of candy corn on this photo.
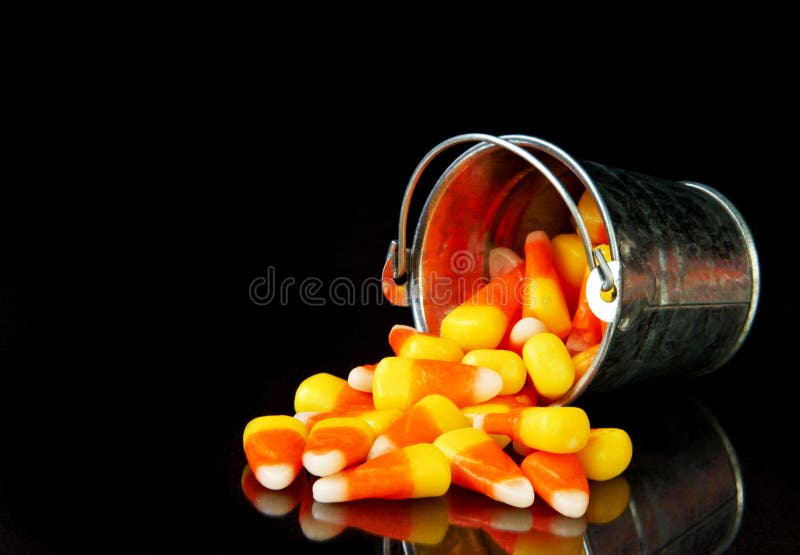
<point>468,407</point>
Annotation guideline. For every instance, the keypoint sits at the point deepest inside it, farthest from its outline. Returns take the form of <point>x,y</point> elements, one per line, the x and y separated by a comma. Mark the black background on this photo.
<point>132,355</point>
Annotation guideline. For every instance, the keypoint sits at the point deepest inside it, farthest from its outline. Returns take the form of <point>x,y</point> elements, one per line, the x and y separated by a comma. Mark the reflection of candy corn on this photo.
<point>481,321</point>
<point>361,376</point>
<point>536,542</point>
<point>553,429</point>
<point>569,261</point>
<point>558,478</point>
<point>522,330</point>
<point>607,453</point>
<point>314,529</point>
<point>336,443</point>
<point>411,343</point>
<point>423,422</point>
<point>325,392</point>
<point>474,510</point>
<point>549,365</point>
<point>607,500</point>
<point>501,261</point>
<point>478,463</point>
<point>274,447</point>
<point>508,364</point>
<point>542,296</point>
<point>547,519</point>
<point>414,520</point>
<point>401,382</point>
<point>270,502</point>
<point>419,470</point>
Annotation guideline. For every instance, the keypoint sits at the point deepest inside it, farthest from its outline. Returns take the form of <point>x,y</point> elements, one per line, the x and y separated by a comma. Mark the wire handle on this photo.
<point>397,248</point>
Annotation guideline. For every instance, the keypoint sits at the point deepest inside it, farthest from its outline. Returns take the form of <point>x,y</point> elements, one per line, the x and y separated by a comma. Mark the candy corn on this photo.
<point>442,411</point>
<point>325,392</point>
<point>336,443</point>
<point>419,470</point>
<point>587,329</point>
<point>522,330</point>
<point>549,365</point>
<point>552,429</point>
<point>569,261</point>
<point>411,343</point>
<point>423,422</point>
<point>274,447</point>
<point>360,377</point>
<point>508,364</point>
<point>503,260</point>
<point>558,479</point>
<point>400,382</point>
<point>526,397</point>
<point>542,297</point>
<point>478,463</point>
<point>481,321</point>
<point>378,420</point>
<point>607,453</point>
<point>583,361</point>
<point>590,214</point>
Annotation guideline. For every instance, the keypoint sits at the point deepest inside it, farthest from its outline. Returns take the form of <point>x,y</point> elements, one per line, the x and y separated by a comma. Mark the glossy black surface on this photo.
<point>133,354</point>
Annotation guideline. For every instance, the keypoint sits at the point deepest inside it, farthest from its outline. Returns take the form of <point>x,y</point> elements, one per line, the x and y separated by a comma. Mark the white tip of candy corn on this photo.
<point>331,489</point>
<point>324,464</point>
<point>305,416</point>
<point>477,420</point>
<point>381,445</point>
<point>488,384</point>
<point>275,476</point>
<point>517,492</point>
<point>361,379</point>
<point>524,329</point>
<point>571,503</point>
<point>501,261</point>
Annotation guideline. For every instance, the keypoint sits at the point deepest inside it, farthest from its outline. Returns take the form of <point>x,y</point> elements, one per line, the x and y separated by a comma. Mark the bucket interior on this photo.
<point>488,197</point>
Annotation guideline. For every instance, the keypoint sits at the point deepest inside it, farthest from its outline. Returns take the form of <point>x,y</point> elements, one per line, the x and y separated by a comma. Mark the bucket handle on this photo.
<point>594,258</point>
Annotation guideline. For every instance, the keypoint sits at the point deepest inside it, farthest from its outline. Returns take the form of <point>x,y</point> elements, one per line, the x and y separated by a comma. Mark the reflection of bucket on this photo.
<point>684,262</point>
<point>686,489</point>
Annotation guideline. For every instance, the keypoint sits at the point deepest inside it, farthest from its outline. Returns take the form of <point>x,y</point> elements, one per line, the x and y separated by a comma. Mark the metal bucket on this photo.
<point>684,265</point>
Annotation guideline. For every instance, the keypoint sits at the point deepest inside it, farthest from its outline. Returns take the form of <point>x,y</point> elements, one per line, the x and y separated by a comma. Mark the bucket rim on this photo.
<point>415,266</point>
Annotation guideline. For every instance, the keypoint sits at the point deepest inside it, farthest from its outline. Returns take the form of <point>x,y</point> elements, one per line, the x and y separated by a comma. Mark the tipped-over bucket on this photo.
<point>684,265</point>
